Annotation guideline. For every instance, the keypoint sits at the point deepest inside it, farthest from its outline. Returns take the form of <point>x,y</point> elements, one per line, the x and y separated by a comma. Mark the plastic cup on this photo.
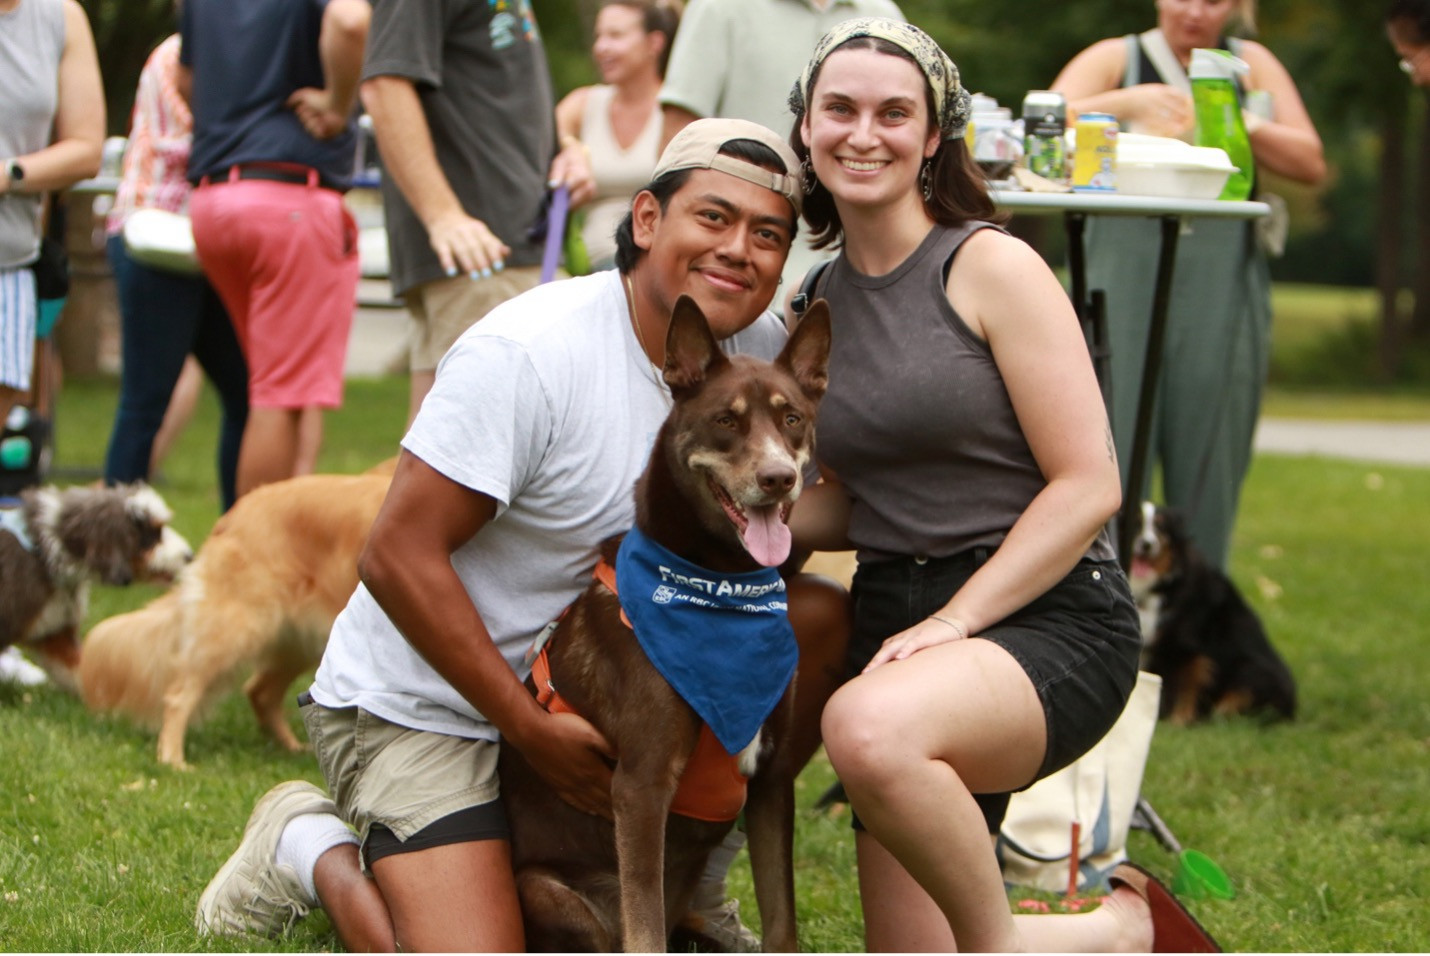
<point>1198,877</point>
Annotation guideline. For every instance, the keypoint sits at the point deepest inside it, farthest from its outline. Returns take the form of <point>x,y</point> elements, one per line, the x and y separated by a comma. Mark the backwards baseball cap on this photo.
<point>698,145</point>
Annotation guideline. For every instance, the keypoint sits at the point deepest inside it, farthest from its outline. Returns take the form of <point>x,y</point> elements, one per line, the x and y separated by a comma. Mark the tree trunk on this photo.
<point>1390,203</point>
<point>1420,318</point>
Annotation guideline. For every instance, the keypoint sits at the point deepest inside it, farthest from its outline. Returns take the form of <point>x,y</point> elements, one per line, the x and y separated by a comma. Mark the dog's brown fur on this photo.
<point>588,884</point>
<point>262,592</point>
<point>114,535</point>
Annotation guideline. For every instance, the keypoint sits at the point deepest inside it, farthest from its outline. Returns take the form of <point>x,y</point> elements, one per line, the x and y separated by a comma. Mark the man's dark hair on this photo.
<point>628,253</point>
<point>1414,12</point>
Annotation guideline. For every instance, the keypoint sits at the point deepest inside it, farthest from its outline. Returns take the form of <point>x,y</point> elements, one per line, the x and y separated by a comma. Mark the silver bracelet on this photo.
<point>962,631</point>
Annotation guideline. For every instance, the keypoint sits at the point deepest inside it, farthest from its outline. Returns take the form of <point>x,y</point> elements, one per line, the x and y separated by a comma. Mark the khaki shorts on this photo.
<point>443,309</point>
<point>404,779</point>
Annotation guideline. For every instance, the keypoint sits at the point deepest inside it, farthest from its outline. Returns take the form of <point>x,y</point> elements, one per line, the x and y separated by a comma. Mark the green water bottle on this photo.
<point>1218,110</point>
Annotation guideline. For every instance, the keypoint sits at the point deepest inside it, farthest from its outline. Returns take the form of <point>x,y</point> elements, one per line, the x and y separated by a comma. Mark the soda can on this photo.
<point>1044,123</point>
<point>1095,153</point>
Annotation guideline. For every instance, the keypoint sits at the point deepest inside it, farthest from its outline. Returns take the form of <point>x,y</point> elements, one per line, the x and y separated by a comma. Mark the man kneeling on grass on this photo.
<point>541,419</point>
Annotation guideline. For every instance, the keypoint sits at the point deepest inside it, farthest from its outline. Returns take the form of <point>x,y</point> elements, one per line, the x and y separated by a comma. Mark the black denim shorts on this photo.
<point>1079,643</point>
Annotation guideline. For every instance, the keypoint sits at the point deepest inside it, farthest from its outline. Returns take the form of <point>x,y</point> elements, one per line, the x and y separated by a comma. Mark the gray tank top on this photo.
<point>32,37</point>
<point>917,423</point>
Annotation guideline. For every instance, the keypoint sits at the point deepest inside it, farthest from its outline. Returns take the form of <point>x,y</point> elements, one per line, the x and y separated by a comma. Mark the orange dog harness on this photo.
<point>711,788</point>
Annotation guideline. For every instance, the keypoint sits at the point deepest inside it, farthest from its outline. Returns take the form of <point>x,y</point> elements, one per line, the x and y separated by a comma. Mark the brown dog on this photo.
<point>726,467</point>
<point>262,592</point>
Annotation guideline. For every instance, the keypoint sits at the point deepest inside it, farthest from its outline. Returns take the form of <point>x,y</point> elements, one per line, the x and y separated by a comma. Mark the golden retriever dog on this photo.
<point>262,593</point>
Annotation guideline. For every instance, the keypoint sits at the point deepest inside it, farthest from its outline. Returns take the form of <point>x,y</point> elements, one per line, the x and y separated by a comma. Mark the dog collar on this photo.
<point>13,521</point>
<point>723,641</point>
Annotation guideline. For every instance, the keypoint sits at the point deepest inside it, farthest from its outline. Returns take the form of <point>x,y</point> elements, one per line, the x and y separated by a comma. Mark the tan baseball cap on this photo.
<point>697,146</point>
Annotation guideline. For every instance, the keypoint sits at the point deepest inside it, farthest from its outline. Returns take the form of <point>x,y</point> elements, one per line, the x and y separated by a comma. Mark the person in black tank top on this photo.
<point>969,462</point>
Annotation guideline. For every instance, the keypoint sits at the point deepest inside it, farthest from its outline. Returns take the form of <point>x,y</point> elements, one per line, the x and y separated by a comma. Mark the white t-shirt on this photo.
<point>549,406</point>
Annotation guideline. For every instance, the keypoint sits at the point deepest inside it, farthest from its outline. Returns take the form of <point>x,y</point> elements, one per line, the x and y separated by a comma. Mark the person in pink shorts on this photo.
<point>272,87</point>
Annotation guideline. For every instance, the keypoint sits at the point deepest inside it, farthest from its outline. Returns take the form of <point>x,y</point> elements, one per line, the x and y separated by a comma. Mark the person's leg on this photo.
<point>182,402</point>
<point>217,350</point>
<point>160,317</point>
<point>1215,379</point>
<point>455,898</point>
<point>353,902</point>
<point>310,440</point>
<point>269,449</point>
<point>266,885</point>
<point>436,838</point>
<point>913,741</point>
<point>160,314</point>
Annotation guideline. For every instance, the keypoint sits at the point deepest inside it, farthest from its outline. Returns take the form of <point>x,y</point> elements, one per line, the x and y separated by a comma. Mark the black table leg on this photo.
<point>1147,396</point>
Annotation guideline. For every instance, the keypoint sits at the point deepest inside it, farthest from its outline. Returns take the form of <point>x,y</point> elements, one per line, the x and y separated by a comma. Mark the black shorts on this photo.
<point>1079,643</point>
<point>484,822</point>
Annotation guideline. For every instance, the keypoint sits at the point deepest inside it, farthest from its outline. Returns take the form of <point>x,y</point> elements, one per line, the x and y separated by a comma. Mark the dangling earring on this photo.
<point>810,181</point>
<point>926,180</point>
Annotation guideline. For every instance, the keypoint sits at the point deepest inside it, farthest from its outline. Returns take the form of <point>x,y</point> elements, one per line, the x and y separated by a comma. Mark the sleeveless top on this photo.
<point>32,38</point>
<point>917,422</point>
<point>618,172</point>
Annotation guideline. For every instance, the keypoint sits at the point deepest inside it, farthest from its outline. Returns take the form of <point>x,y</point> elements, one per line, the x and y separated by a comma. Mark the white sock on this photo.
<point>14,669</point>
<point>712,881</point>
<point>307,837</point>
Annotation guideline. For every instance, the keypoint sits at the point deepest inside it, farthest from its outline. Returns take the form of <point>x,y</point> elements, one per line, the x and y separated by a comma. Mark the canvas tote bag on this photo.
<point>1099,791</point>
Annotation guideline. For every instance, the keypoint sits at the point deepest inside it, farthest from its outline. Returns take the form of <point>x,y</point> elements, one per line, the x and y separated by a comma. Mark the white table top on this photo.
<point>1117,204</point>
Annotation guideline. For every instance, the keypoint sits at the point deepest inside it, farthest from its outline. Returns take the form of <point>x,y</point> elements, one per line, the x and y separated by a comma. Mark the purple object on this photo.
<point>555,232</point>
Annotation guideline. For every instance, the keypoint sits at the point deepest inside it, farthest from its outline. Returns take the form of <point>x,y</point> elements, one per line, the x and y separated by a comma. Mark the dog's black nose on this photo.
<point>776,480</point>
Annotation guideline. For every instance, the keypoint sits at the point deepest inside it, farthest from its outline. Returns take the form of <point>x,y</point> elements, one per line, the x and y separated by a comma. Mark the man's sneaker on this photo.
<point>714,923</point>
<point>251,892</point>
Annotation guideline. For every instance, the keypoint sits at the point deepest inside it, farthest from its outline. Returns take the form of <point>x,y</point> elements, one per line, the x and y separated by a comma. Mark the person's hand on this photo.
<point>572,168</point>
<point>464,244</point>
<point>1161,110</point>
<point>315,110</point>
<point>931,631</point>
<point>572,756</point>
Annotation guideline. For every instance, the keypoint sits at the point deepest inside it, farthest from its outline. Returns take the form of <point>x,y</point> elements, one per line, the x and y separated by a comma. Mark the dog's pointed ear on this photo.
<point>806,354</point>
<point>691,351</point>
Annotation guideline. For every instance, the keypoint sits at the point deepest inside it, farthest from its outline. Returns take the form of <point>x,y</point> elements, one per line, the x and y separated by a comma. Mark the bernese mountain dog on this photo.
<point>1198,632</point>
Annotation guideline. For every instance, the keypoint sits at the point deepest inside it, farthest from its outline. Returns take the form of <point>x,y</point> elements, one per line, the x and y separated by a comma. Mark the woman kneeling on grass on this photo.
<point>970,463</point>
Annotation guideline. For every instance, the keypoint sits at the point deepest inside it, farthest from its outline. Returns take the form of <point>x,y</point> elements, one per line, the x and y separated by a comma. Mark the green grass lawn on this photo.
<point>1323,824</point>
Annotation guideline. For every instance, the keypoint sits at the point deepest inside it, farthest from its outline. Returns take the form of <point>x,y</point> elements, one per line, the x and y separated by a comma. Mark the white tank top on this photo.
<point>618,172</point>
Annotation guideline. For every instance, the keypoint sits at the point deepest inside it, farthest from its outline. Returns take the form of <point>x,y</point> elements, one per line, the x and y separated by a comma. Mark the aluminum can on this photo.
<point>1044,145</point>
<point>1095,154</point>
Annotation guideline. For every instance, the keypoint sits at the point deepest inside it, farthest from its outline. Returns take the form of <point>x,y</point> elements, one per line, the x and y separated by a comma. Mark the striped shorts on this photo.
<point>17,327</point>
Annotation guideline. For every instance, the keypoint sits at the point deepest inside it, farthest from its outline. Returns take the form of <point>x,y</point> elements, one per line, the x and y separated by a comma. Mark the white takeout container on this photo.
<point>1157,166</point>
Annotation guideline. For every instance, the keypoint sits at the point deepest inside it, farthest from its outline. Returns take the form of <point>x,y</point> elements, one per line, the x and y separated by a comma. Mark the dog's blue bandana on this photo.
<point>13,521</point>
<point>723,641</point>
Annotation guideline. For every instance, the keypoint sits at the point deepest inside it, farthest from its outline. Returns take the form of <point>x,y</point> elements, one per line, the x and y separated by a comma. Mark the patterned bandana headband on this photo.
<point>949,96</point>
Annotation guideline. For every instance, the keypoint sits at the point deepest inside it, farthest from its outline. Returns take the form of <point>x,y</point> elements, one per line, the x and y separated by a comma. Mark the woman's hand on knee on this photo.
<point>931,631</point>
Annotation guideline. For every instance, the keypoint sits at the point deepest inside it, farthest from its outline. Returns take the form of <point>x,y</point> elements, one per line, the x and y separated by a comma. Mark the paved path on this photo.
<point>1399,443</point>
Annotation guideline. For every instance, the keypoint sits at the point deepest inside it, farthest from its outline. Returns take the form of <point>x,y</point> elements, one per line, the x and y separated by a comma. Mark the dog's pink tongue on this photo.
<point>766,537</point>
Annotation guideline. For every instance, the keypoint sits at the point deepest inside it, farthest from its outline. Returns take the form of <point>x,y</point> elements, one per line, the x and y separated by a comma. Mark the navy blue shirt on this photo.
<point>248,57</point>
